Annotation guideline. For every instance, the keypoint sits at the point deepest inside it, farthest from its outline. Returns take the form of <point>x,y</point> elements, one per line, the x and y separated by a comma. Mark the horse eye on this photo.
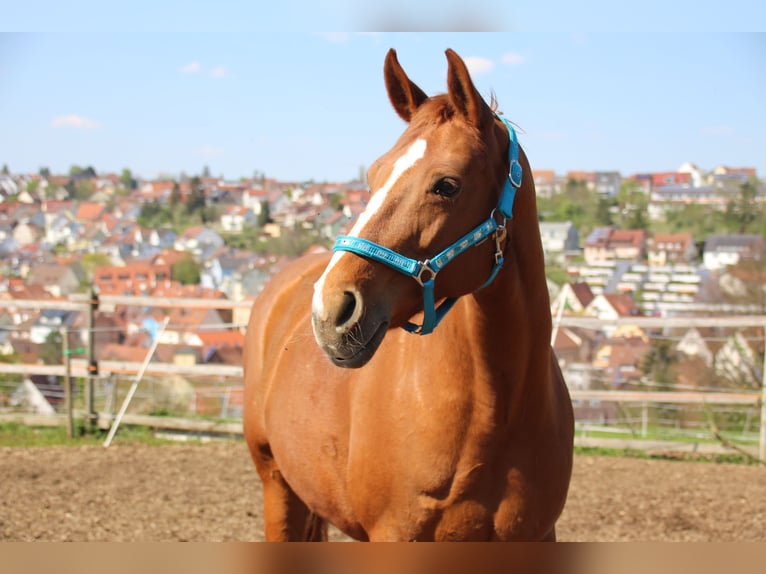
<point>446,187</point>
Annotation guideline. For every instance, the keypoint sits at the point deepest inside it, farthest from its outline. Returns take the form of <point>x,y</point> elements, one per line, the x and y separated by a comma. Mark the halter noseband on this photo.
<point>424,272</point>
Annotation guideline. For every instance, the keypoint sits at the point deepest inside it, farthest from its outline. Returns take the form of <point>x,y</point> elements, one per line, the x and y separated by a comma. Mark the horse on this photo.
<point>403,387</point>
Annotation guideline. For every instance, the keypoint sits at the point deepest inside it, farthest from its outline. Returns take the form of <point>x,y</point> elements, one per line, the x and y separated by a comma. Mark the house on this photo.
<point>607,183</point>
<point>49,321</point>
<point>28,233</point>
<point>224,269</point>
<point>732,178</point>
<point>6,343</point>
<point>666,178</point>
<point>740,359</point>
<point>745,284</point>
<point>628,244</point>
<point>546,183</point>
<point>610,244</point>
<point>559,239</point>
<point>612,306</point>
<point>664,248</point>
<point>39,394</point>
<point>132,279</point>
<point>90,212</point>
<point>574,296</point>
<point>586,177</point>
<point>721,251</point>
<point>574,345</point>
<point>237,218</point>
<point>126,353</point>
<point>162,238</point>
<point>674,197</point>
<point>185,325</point>
<point>62,229</point>
<point>58,280</point>
<point>621,359</point>
<point>697,343</point>
<point>198,240</point>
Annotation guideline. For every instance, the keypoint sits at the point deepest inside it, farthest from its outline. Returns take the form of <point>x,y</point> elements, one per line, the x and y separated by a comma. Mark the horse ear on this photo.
<point>462,92</point>
<point>405,96</point>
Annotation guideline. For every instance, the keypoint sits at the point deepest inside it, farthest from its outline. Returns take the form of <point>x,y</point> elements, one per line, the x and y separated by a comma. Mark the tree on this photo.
<point>186,271</point>
<point>80,190</point>
<point>5,171</point>
<point>745,283</point>
<point>153,214</point>
<point>51,349</point>
<point>603,215</point>
<point>632,204</point>
<point>32,186</point>
<point>659,363</point>
<point>90,261</point>
<point>205,171</point>
<point>75,171</point>
<point>196,200</point>
<point>45,172</point>
<point>578,204</point>
<point>175,195</point>
<point>264,216</point>
<point>743,213</point>
<point>126,178</point>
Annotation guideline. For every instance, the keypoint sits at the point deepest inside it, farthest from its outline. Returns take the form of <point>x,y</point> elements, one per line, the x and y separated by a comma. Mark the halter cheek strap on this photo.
<point>424,272</point>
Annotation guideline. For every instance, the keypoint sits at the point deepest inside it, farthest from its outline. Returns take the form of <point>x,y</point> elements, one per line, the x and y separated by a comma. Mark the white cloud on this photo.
<point>218,72</point>
<point>190,68</point>
<point>74,121</point>
<point>478,65</point>
<point>208,152</point>
<point>335,37</point>
<point>513,59</point>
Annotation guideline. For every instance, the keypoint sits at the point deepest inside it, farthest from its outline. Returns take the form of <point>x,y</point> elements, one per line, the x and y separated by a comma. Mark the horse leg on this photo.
<point>285,516</point>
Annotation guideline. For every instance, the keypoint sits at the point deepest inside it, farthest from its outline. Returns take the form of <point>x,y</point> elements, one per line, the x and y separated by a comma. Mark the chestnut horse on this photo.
<point>461,434</point>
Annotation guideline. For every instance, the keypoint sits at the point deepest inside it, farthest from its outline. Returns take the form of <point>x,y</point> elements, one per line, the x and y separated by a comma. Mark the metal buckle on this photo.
<point>515,173</point>
<point>425,267</point>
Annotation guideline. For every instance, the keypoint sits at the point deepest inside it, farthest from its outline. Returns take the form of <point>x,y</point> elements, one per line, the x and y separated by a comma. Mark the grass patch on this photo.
<point>22,436</point>
<point>717,458</point>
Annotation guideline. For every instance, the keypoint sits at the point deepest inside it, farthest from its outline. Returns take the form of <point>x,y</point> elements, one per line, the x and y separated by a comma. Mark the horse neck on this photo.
<point>512,320</point>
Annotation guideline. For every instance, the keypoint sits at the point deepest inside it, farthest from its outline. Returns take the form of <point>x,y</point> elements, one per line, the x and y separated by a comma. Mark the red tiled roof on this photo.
<point>623,304</point>
<point>583,293</point>
<point>627,236</point>
<point>90,211</point>
<point>668,241</point>
<point>221,338</point>
<point>114,352</point>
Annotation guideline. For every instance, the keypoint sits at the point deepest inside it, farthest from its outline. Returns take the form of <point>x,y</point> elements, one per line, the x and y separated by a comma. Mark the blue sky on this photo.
<point>303,105</point>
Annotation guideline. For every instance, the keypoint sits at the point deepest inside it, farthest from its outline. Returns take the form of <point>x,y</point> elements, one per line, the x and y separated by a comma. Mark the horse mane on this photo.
<point>442,110</point>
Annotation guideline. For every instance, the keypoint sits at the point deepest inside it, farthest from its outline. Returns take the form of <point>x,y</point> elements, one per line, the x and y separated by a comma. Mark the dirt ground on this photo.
<point>211,493</point>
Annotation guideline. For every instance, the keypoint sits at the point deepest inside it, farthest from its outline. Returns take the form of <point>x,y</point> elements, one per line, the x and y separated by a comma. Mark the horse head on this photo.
<point>435,197</point>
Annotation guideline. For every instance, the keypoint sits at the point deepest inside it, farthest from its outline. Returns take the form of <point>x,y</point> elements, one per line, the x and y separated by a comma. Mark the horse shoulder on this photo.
<point>275,314</point>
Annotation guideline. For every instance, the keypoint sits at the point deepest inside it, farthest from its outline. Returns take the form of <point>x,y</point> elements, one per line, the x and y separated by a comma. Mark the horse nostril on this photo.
<point>347,308</point>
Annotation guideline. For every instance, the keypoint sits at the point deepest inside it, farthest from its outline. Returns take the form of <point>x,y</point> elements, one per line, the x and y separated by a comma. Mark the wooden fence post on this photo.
<point>67,382</point>
<point>90,411</point>
<point>762,441</point>
<point>644,419</point>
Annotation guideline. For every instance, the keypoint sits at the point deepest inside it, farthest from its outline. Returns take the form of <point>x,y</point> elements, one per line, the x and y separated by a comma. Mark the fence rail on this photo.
<point>228,378</point>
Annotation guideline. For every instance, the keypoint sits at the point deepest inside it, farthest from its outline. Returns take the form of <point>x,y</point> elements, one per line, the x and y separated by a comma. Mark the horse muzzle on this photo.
<point>347,333</point>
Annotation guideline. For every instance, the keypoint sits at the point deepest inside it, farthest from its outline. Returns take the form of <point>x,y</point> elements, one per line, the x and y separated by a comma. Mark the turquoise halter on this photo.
<point>424,272</point>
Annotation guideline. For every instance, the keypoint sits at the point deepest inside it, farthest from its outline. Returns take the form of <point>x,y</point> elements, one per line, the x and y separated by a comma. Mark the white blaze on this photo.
<point>416,151</point>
